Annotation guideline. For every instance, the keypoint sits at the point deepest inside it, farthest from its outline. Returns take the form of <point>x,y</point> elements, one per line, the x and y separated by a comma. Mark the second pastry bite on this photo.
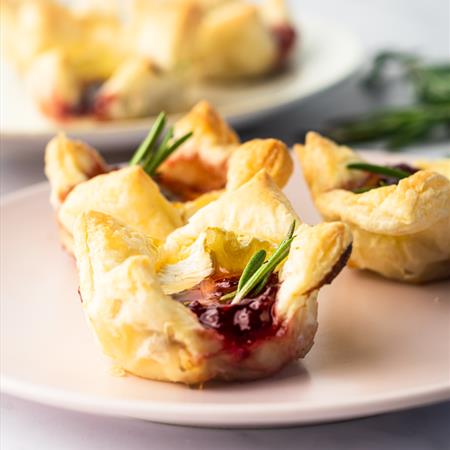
<point>194,175</point>
<point>400,226</point>
<point>203,159</point>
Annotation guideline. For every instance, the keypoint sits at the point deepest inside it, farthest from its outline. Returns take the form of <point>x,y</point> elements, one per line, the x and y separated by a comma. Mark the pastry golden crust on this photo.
<point>441,166</point>
<point>127,286</point>
<point>244,163</point>
<point>97,64</point>
<point>137,88</point>
<point>252,156</point>
<point>69,163</point>
<point>165,32</point>
<point>72,52</point>
<point>200,164</point>
<point>400,231</point>
<point>234,42</point>
<point>128,194</point>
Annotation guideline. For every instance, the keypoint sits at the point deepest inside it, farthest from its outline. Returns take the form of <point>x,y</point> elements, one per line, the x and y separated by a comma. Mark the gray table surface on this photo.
<point>417,25</point>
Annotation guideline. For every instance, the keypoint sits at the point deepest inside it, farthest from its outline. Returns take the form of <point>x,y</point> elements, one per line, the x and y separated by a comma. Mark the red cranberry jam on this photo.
<point>374,180</point>
<point>285,36</point>
<point>240,324</point>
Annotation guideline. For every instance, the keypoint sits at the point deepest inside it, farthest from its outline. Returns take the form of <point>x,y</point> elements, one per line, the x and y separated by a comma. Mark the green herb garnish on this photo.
<point>255,262</point>
<point>257,272</point>
<point>149,155</point>
<point>380,170</point>
<point>427,118</point>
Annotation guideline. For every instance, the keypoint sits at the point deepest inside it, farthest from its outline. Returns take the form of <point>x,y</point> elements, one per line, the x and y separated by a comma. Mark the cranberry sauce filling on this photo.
<point>87,101</point>
<point>240,324</point>
<point>374,180</point>
<point>285,36</point>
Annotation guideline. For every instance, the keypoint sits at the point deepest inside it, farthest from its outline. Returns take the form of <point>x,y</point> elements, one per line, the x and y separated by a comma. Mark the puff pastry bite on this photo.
<point>400,227</point>
<point>138,88</point>
<point>74,53</point>
<point>113,61</point>
<point>156,312</point>
<point>199,169</point>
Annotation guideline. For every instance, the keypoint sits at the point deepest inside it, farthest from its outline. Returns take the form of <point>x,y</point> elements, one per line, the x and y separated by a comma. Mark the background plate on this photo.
<point>327,55</point>
<point>381,345</point>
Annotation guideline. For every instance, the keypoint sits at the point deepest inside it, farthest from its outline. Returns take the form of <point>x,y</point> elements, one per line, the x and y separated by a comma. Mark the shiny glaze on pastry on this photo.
<point>199,171</point>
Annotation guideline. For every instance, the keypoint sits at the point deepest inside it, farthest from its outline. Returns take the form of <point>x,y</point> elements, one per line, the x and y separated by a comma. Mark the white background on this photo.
<point>417,25</point>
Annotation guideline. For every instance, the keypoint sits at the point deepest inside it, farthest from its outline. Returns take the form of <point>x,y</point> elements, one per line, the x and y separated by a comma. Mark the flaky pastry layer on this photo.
<point>400,231</point>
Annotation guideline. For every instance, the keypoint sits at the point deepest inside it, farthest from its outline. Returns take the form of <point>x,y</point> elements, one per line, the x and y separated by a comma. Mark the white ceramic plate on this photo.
<point>381,345</point>
<point>327,55</point>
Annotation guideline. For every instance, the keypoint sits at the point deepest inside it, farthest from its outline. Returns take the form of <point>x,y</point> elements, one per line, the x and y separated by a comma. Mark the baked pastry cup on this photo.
<point>218,40</point>
<point>400,231</point>
<point>137,298</point>
<point>81,180</point>
<point>97,64</point>
<point>72,51</point>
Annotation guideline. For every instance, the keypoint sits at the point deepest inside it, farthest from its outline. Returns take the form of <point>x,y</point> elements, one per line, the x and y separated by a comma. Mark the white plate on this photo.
<point>327,55</point>
<point>381,345</point>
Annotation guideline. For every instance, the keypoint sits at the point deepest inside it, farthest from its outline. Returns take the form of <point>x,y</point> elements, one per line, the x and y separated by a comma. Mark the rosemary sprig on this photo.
<point>151,157</point>
<point>381,170</point>
<point>256,273</point>
<point>150,139</point>
<point>430,82</point>
<point>255,262</point>
<point>399,127</point>
<point>428,117</point>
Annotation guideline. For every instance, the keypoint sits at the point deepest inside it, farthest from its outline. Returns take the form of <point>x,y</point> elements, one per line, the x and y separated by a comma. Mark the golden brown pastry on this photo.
<point>139,301</point>
<point>245,162</point>
<point>138,88</point>
<point>256,154</point>
<point>73,52</point>
<point>116,60</point>
<point>127,194</point>
<point>200,169</point>
<point>68,163</point>
<point>200,164</point>
<point>400,230</point>
<point>165,32</point>
<point>233,41</point>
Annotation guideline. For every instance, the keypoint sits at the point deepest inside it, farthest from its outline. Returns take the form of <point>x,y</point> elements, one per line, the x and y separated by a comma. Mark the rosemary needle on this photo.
<point>252,266</point>
<point>256,273</point>
<point>150,140</point>
<point>151,157</point>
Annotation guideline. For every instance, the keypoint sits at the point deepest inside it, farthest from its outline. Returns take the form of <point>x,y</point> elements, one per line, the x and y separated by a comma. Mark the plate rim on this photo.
<point>215,414</point>
<point>212,414</point>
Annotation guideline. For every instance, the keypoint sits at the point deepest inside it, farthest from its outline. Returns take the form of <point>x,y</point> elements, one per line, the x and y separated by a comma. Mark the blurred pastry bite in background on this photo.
<point>116,60</point>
